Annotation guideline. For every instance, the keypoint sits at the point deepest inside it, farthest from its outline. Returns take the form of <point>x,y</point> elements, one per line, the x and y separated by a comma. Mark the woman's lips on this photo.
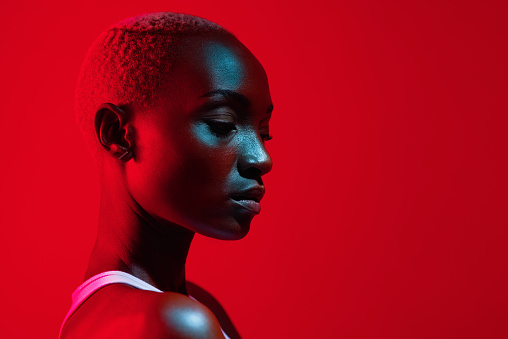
<point>249,199</point>
<point>249,205</point>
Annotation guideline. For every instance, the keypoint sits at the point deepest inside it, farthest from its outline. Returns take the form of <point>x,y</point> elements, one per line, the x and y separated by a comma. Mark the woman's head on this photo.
<point>194,116</point>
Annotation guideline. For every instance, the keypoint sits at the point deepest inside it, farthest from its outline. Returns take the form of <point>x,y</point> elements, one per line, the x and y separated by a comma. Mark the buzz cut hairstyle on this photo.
<point>129,62</point>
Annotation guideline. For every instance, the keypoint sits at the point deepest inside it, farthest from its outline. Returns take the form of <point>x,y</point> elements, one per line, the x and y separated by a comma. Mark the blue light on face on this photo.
<point>226,67</point>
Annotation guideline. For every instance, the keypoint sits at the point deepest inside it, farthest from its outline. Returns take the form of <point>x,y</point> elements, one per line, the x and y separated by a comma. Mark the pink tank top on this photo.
<point>87,288</point>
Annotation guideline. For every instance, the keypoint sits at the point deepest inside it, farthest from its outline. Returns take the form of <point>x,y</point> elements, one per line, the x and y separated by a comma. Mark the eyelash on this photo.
<point>223,129</point>
<point>266,137</point>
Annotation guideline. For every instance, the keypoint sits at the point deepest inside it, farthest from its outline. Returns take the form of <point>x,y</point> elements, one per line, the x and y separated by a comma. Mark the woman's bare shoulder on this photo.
<point>180,316</point>
<point>121,311</point>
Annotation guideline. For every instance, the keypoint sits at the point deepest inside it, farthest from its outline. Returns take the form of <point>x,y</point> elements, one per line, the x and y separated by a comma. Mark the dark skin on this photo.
<point>191,163</point>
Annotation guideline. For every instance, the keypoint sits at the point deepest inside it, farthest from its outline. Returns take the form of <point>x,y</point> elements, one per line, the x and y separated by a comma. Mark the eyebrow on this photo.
<point>240,98</point>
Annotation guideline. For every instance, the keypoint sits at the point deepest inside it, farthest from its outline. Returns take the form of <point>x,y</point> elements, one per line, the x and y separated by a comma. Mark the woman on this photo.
<point>176,111</point>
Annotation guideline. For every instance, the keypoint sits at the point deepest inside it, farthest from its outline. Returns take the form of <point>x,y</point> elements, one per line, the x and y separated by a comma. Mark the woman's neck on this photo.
<point>130,240</point>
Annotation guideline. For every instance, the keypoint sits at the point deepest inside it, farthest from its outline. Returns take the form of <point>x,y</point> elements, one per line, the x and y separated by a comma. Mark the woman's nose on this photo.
<point>254,160</point>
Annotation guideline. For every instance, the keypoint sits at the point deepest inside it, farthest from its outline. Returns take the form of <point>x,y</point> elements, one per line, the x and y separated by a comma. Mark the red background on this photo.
<point>386,211</point>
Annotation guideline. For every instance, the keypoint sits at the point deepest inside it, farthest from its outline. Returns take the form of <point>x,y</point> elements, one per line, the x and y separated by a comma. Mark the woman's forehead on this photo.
<point>212,63</point>
<point>220,59</point>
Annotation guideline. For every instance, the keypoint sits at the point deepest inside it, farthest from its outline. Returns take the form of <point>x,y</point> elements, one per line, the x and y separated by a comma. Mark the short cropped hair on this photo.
<point>128,63</point>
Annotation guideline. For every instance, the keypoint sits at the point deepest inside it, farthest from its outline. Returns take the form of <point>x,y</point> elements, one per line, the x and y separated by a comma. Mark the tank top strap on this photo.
<point>86,289</point>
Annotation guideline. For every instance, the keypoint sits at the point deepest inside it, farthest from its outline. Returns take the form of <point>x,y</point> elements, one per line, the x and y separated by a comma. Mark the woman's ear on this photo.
<point>113,131</point>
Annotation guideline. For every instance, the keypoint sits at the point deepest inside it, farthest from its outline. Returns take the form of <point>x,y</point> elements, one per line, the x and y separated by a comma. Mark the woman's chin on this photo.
<point>232,229</point>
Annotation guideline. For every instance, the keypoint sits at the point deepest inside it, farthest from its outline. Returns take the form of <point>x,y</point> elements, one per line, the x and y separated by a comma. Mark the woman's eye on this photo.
<point>220,128</point>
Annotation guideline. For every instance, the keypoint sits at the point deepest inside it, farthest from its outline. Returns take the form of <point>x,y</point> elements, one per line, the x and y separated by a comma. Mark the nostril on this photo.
<point>251,173</point>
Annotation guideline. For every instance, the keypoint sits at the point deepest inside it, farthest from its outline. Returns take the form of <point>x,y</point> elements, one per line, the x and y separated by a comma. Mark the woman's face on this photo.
<point>200,155</point>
